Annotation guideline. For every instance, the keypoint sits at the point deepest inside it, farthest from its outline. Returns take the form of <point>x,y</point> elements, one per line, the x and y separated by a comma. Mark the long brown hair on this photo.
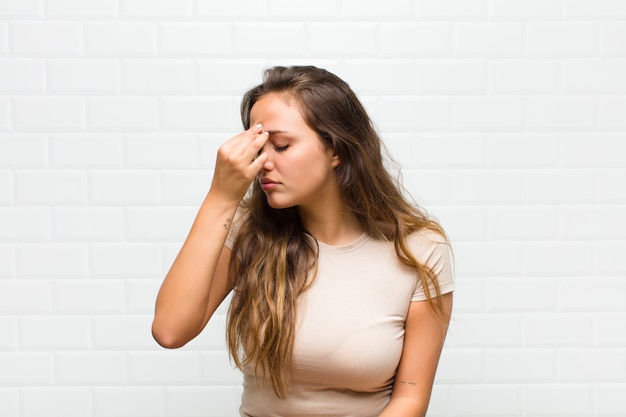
<point>273,257</point>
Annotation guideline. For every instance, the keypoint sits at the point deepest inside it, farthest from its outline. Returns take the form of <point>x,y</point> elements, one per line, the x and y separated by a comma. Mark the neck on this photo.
<point>331,224</point>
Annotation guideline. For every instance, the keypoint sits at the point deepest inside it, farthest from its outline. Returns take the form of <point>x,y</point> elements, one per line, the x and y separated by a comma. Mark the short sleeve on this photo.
<point>434,252</point>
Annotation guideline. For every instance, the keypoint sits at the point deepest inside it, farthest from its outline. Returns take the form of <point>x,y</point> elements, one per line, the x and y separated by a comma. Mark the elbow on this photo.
<point>167,338</point>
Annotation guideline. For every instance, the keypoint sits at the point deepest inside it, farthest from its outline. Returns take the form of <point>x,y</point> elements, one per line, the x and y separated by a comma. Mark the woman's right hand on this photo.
<point>239,160</point>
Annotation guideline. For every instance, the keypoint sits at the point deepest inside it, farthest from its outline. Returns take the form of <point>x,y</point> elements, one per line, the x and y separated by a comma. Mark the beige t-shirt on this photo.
<point>350,329</point>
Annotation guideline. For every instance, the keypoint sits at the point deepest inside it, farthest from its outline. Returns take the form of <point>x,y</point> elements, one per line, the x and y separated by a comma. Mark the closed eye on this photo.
<point>280,149</point>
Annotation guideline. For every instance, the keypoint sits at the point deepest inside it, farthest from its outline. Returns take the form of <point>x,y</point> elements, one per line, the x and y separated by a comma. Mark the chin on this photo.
<point>277,204</point>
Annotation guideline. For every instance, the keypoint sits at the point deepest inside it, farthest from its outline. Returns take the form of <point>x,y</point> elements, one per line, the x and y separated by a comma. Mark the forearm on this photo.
<point>181,305</point>
<point>405,407</point>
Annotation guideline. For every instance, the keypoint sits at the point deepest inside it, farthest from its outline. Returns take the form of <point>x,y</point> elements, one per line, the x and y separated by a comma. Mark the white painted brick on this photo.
<point>25,296</point>
<point>123,332</point>
<point>493,186</point>
<point>6,188</point>
<point>125,260</point>
<point>185,188</point>
<point>124,188</point>
<point>52,260</point>
<point>401,114</point>
<point>562,39</point>
<point>54,333</point>
<point>528,9</point>
<point>164,367</point>
<point>158,76</point>
<point>141,294</point>
<point>48,113</point>
<point>128,401</point>
<point>5,114</point>
<point>451,77</point>
<point>22,76</point>
<point>469,295</point>
<point>393,9</point>
<point>88,224</point>
<point>452,9</point>
<point>571,400</point>
<point>485,400</point>
<point>9,340</point>
<point>23,369</point>
<point>56,402</point>
<point>594,76</point>
<point>520,295</point>
<point>344,40</point>
<point>558,186</point>
<point>46,39</point>
<point>520,366</point>
<point>197,113</point>
<point>269,39</point>
<point>379,77</point>
<point>93,76</point>
<point>611,112</point>
<point>454,220</point>
<point>461,366</point>
<point>613,39</point>
<point>606,294</point>
<point>9,401</point>
<point>558,330</point>
<point>24,224</point>
<point>523,150</point>
<point>125,113</point>
<point>589,365</point>
<point>309,8</point>
<point>558,259</point>
<point>160,151</point>
<point>88,296</point>
<point>208,145</point>
<point>81,9</point>
<point>196,39</point>
<point>50,188</point>
<point>240,9</point>
<point>598,222</point>
<point>216,368</point>
<point>524,76</point>
<point>156,9</point>
<point>488,258</point>
<point>21,9</point>
<point>609,399</point>
<point>232,76</point>
<point>489,39</point>
<point>173,224</point>
<point>609,259</point>
<point>438,150</point>
<point>7,261</point>
<point>23,150</point>
<point>488,113</point>
<point>85,150</point>
<point>202,401</point>
<point>94,368</point>
<point>611,9</point>
<point>4,39</point>
<point>429,186</point>
<point>593,150</point>
<point>561,113</point>
<point>477,330</point>
<point>121,39</point>
<point>423,39</point>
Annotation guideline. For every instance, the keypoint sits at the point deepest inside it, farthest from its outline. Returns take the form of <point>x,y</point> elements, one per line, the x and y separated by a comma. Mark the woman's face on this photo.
<point>299,169</point>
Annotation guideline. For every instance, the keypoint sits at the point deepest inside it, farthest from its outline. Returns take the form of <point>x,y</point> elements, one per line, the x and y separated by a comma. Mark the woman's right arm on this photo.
<point>197,282</point>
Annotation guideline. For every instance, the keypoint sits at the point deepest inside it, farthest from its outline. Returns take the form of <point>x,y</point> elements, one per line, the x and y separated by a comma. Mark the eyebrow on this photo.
<point>274,132</point>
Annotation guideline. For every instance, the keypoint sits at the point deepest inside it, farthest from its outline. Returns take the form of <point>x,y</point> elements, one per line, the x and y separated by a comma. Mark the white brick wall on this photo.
<point>508,119</point>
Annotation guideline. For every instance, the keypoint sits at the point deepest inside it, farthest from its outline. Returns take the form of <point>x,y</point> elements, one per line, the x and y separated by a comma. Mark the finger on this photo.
<point>256,146</point>
<point>238,143</point>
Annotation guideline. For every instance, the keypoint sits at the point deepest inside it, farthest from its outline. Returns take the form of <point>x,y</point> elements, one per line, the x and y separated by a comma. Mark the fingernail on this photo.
<point>259,126</point>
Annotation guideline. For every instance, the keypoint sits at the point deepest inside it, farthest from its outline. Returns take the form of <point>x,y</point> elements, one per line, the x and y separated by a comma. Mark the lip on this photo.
<point>268,184</point>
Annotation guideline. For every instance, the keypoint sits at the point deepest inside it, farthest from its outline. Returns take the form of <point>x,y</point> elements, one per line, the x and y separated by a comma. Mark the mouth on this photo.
<point>268,184</point>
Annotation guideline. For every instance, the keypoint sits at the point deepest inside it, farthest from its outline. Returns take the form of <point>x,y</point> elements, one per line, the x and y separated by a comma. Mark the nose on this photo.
<point>269,163</point>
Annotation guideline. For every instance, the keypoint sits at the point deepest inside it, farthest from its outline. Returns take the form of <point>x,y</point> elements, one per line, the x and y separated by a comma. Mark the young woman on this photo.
<point>342,288</point>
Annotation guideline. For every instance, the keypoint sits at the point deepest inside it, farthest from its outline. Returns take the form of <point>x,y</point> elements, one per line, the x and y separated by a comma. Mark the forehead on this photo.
<point>276,108</point>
